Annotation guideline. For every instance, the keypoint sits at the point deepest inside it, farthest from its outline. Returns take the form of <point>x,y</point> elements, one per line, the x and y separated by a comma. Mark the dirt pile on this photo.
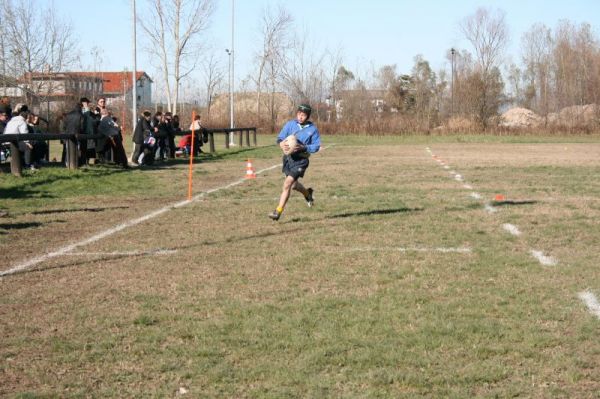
<point>577,115</point>
<point>520,118</point>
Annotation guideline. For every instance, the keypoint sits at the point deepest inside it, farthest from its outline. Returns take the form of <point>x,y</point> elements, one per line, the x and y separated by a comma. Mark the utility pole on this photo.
<point>232,82</point>
<point>452,52</point>
<point>134,88</point>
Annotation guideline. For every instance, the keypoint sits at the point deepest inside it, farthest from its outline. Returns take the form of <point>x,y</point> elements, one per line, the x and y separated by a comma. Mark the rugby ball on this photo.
<point>291,142</point>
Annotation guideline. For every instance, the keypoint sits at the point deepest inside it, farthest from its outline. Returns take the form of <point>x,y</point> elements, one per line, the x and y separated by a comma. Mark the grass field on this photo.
<point>401,282</point>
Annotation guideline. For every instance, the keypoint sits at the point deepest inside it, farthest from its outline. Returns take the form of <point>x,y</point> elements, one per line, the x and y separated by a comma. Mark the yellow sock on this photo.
<point>279,210</point>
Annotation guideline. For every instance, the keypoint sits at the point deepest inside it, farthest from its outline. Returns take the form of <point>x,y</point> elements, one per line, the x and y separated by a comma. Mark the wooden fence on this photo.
<point>71,141</point>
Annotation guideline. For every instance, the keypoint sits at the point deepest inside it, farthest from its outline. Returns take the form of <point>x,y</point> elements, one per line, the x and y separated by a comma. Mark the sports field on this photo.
<point>428,267</point>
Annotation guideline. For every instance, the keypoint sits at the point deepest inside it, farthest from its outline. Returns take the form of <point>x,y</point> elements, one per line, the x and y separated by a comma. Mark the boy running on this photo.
<point>296,163</point>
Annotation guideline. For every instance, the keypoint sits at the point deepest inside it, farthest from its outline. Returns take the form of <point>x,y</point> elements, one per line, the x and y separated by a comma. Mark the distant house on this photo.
<point>58,89</point>
<point>118,86</point>
<point>10,87</point>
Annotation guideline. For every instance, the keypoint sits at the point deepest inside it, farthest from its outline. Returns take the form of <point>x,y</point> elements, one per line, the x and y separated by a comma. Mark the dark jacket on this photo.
<point>74,121</point>
<point>165,130</point>
<point>89,122</point>
<point>142,130</point>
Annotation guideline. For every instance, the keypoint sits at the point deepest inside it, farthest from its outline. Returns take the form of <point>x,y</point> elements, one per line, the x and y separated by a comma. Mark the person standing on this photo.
<point>142,131</point>
<point>87,147</point>
<point>296,160</point>
<point>73,123</point>
<point>101,142</point>
<point>170,130</point>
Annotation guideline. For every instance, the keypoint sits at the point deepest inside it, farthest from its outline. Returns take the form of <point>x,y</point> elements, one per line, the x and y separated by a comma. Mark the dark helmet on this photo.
<point>305,108</point>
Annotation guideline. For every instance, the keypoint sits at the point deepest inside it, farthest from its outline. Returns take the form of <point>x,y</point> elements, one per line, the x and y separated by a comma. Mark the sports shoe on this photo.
<point>309,198</point>
<point>275,215</point>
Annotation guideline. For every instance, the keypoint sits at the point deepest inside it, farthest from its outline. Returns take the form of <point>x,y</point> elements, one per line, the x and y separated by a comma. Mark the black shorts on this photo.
<point>295,165</point>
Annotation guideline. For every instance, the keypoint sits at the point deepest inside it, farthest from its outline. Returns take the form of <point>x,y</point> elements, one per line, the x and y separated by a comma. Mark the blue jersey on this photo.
<point>308,135</point>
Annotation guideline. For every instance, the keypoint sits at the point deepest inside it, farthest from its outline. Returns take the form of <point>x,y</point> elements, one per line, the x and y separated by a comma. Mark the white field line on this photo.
<point>124,253</point>
<point>512,229</point>
<point>68,248</point>
<point>490,209</point>
<point>460,178</point>
<point>543,259</point>
<point>591,302</point>
<point>461,250</point>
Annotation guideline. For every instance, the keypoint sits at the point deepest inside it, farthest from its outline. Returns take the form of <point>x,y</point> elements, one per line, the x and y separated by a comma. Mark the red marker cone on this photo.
<point>250,174</point>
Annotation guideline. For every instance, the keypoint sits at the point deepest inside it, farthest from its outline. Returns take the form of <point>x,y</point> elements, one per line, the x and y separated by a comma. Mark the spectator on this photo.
<point>161,134</point>
<point>40,148</point>
<point>176,124</point>
<point>110,130</point>
<point>5,106</point>
<point>201,134</point>
<point>87,148</point>
<point>142,132</point>
<point>168,121</point>
<point>185,145</point>
<point>18,125</point>
<point>3,119</point>
<point>74,124</point>
<point>100,142</point>
<point>101,105</point>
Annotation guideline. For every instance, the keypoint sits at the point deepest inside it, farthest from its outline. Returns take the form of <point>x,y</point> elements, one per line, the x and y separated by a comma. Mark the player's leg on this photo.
<point>306,192</point>
<point>288,183</point>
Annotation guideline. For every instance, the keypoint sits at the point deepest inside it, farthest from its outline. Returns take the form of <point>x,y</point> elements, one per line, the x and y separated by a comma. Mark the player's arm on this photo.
<point>314,143</point>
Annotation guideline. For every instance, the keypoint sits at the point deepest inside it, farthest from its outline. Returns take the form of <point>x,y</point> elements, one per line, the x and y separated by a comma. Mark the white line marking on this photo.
<point>512,229</point>
<point>475,195</point>
<point>543,259</point>
<point>68,248</point>
<point>124,253</point>
<point>462,250</point>
<point>591,302</point>
<point>490,209</point>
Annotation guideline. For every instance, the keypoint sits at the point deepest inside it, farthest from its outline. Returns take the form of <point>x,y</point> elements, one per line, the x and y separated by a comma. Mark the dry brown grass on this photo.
<point>251,308</point>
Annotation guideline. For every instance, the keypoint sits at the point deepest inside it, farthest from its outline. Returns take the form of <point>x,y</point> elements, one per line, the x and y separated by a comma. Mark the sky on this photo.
<point>368,33</point>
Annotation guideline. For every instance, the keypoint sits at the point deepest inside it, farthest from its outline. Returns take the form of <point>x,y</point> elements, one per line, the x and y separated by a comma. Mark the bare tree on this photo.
<point>536,45</point>
<point>488,34</point>
<point>335,60</point>
<point>213,78</point>
<point>173,29</point>
<point>274,30</point>
<point>39,41</point>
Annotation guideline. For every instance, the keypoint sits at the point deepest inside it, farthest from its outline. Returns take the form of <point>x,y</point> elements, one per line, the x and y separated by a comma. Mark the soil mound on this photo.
<point>520,118</point>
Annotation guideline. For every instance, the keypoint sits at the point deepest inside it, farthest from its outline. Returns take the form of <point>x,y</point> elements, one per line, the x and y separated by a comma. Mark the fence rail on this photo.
<point>71,141</point>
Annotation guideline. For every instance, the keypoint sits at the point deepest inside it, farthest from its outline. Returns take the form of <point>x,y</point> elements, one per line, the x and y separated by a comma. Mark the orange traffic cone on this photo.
<point>250,174</point>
